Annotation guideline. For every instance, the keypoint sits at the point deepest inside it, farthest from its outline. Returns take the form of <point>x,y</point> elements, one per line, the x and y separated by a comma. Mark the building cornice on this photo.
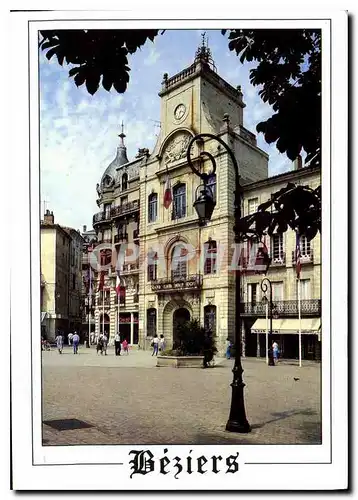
<point>284,177</point>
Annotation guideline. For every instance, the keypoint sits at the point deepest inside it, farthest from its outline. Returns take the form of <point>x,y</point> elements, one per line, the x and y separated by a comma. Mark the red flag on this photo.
<point>101,282</point>
<point>168,198</point>
<point>298,256</point>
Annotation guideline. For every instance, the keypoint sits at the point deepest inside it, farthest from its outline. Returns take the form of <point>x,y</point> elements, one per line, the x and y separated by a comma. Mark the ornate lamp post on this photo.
<point>265,284</point>
<point>204,206</point>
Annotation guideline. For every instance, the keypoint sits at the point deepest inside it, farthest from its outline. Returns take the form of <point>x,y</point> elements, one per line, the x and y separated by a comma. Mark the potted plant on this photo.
<point>194,347</point>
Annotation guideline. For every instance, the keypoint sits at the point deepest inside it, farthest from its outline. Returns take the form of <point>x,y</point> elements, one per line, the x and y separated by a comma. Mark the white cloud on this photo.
<point>153,57</point>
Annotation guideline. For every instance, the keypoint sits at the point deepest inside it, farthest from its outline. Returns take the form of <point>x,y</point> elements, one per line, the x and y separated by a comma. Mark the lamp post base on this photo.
<point>235,426</point>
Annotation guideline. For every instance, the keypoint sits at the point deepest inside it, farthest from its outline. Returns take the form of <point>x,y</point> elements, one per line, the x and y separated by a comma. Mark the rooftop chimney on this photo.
<point>48,217</point>
<point>297,164</point>
<point>84,229</point>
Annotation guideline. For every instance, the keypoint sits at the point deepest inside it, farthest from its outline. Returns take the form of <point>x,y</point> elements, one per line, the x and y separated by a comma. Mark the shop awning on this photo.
<point>308,326</point>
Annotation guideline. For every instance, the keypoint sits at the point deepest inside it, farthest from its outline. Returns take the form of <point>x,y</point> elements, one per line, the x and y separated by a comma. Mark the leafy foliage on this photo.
<point>193,339</point>
<point>297,207</point>
<point>95,54</point>
<point>289,77</point>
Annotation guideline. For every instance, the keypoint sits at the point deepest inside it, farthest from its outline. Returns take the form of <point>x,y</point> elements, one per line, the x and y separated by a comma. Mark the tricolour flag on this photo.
<point>118,283</point>
<point>298,256</point>
<point>168,198</point>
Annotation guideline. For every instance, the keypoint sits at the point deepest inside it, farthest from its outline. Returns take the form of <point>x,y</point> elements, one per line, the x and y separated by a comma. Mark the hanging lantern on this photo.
<point>204,204</point>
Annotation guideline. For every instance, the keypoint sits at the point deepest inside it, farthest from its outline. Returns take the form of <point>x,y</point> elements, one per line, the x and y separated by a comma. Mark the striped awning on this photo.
<point>286,325</point>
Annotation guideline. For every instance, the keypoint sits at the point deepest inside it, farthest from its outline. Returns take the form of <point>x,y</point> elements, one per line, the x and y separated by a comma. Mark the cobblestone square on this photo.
<point>128,400</point>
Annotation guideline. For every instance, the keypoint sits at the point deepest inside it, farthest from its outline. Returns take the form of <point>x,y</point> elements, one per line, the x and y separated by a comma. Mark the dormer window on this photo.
<point>124,182</point>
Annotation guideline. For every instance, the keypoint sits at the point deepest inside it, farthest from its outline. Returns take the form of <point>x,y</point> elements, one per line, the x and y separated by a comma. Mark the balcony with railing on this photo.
<point>306,258</point>
<point>184,283</point>
<point>101,217</point>
<point>106,300</point>
<point>283,308</point>
<point>129,269</point>
<point>278,261</point>
<point>120,238</point>
<point>125,209</point>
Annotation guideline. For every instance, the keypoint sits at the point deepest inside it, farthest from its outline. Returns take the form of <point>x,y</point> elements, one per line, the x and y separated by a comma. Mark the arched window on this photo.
<point>152,207</point>
<point>179,262</point>
<point>179,201</point>
<point>124,182</point>
<point>210,257</point>
<point>212,185</point>
<point>210,318</point>
<point>151,322</point>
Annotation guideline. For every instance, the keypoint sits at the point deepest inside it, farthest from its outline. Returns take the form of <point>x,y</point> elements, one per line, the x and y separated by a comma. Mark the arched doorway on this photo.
<point>180,316</point>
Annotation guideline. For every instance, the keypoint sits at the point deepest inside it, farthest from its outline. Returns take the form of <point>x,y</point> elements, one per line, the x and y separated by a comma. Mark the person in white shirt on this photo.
<point>117,344</point>
<point>69,338</point>
<point>162,343</point>
<point>75,341</point>
<point>155,345</point>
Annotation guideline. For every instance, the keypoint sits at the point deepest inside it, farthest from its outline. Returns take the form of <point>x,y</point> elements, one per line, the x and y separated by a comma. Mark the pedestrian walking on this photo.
<point>100,344</point>
<point>117,344</point>
<point>75,342</point>
<point>59,342</point>
<point>228,348</point>
<point>125,346</point>
<point>161,343</point>
<point>69,338</point>
<point>105,343</point>
<point>155,345</point>
<point>275,352</point>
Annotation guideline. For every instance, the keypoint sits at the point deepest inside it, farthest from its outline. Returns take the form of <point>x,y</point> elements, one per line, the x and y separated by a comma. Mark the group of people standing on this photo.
<point>158,344</point>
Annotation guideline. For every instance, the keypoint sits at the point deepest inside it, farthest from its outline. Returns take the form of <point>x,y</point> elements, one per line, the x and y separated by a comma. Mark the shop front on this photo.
<point>286,333</point>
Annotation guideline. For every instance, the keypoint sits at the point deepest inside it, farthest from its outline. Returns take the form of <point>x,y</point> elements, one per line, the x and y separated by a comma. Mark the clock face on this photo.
<point>179,112</point>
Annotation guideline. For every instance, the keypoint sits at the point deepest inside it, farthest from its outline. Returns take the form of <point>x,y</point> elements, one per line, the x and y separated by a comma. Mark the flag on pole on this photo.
<point>298,256</point>
<point>168,198</point>
<point>118,283</point>
<point>101,282</point>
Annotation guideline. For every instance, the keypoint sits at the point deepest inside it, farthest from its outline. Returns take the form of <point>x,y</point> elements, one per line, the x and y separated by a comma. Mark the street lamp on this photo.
<point>265,284</point>
<point>204,205</point>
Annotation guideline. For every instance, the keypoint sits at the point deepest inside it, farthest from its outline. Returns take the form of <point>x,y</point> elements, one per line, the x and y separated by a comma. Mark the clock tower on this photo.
<point>197,98</point>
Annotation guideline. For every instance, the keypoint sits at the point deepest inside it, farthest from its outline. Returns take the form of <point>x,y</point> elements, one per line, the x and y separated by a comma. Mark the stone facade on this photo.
<point>161,290</point>
<point>61,268</point>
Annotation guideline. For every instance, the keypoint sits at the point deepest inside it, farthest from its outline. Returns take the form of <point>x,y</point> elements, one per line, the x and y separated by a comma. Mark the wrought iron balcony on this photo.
<point>278,261</point>
<point>120,237</point>
<point>284,308</point>
<point>193,282</point>
<point>304,259</point>
<point>126,208</point>
<point>101,217</point>
<point>129,269</point>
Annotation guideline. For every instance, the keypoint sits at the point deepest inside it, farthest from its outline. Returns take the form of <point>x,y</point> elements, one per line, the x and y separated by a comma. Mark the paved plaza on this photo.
<point>128,400</point>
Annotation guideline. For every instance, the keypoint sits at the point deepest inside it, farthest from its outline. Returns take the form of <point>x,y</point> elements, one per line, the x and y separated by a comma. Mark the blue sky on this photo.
<point>79,132</point>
